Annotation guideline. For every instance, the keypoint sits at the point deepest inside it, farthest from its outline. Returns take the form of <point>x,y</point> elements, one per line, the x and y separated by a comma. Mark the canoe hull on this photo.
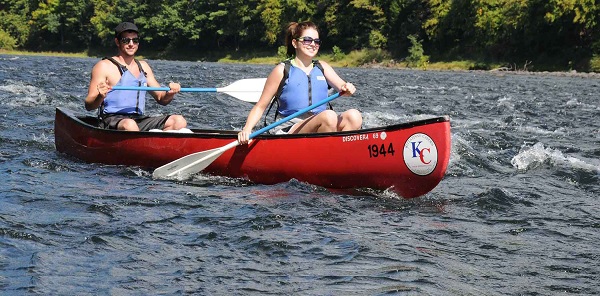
<point>410,159</point>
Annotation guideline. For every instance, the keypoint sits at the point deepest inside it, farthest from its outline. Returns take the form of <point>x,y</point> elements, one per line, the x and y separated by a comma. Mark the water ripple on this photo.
<point>516,213</point>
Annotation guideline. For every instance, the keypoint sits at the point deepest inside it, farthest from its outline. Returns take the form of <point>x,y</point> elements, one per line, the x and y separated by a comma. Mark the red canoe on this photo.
<point>409,158</point>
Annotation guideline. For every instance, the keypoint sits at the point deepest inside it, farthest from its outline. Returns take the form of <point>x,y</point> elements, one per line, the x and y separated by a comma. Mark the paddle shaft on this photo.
<point>248,90</point>
<point>200,160</point>
<point>149,88</point>
<point>294,115</point>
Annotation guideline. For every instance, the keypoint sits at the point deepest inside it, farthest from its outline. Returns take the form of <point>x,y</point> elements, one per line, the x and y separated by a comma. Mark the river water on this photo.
<point>516,214</point>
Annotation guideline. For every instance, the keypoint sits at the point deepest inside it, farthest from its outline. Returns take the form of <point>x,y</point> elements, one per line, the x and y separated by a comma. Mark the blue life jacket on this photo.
<point>300,90</point>
<point>126,101</point>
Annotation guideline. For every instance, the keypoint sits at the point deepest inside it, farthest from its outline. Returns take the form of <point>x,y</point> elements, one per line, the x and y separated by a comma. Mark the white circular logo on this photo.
<point>420,154</point>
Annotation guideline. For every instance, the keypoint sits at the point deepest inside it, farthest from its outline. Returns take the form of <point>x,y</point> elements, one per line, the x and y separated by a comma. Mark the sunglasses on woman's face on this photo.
<point>126,40</point>
<point>309,40</point>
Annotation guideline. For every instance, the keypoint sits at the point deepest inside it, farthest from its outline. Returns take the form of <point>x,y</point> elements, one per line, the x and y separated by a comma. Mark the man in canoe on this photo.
<point>124,109</point>
<point>306,83</point>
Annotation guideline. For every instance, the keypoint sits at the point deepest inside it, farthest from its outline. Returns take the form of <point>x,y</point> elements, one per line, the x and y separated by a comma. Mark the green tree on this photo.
<point>404,18</point>
<point>59,24</point>
<point>102,22</point>
<point>574,24</point>
<point>560,31</point>
<point>271,18</point>
<point>14,21</point>
<point>354,24</point>
<point>7,41</point>
<point>416,57</point>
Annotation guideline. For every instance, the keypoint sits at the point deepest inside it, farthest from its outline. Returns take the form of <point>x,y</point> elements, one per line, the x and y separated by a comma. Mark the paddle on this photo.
<point>248,90</point>
<point>195,162</point>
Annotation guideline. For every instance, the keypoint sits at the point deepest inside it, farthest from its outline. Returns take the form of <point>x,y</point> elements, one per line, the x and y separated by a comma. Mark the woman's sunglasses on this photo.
<point>309,41</point>
<point>126,40</point>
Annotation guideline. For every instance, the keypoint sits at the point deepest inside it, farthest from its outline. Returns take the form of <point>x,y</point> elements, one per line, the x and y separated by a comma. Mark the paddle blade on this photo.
<point>190,164</point>
<point>248,90</point>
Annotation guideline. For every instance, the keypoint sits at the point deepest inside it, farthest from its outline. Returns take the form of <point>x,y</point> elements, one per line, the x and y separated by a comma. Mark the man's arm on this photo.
<point>161,97</point>
<point>98,87</point>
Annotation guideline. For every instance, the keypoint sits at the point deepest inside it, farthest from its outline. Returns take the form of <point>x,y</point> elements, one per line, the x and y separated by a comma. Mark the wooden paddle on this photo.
<point>196,162</point>
<point>248,90</point>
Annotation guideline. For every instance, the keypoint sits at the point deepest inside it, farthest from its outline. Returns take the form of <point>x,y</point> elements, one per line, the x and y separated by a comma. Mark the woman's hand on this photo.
<point>244,137</point>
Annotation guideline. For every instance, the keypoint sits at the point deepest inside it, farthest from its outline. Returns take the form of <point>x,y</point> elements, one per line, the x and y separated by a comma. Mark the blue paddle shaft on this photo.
<point>149,88</point>
<point>292,116</point>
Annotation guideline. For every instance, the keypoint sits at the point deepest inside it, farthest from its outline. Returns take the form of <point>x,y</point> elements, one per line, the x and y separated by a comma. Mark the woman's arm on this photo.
<point>336,81</point>
<point>269,91</point>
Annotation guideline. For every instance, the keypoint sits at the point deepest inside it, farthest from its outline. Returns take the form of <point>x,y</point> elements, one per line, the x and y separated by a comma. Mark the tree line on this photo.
<point>564,32</point>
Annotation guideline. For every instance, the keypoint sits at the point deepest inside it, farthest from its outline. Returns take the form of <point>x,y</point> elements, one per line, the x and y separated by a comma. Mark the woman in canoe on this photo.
<point>304,82</point>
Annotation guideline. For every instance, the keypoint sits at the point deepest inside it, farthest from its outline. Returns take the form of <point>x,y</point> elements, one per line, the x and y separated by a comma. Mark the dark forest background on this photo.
<point>560,34</point>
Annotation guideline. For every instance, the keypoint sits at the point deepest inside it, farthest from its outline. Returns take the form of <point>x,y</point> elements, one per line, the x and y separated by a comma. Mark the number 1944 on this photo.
<point>381,150</point>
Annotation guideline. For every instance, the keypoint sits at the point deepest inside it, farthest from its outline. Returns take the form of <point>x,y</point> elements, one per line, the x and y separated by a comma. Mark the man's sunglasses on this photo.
<point>309,41</point>
<point>126,40</point>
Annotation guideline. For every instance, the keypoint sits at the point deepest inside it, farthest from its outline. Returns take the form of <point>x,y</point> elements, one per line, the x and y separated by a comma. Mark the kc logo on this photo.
<point>420,154</point>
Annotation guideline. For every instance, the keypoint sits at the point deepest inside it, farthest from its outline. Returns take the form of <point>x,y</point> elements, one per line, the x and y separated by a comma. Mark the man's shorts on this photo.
<point>145,123</point>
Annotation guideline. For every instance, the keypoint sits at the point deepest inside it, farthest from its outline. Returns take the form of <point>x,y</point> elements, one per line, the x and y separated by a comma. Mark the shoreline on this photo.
<point>391,65</point>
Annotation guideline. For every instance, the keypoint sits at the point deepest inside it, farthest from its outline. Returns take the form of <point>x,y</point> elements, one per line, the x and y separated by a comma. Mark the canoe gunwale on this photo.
<point>229,133</point>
